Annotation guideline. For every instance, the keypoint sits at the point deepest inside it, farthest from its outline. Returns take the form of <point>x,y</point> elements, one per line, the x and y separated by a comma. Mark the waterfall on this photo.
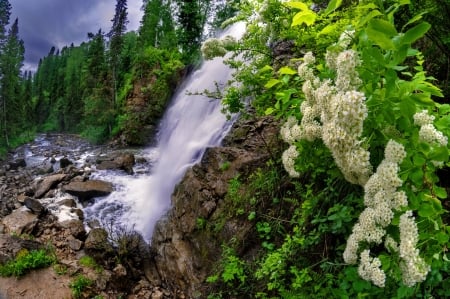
<point>191,124</point>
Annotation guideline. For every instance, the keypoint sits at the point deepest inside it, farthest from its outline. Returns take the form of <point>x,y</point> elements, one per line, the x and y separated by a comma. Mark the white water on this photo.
<point>189,126</point>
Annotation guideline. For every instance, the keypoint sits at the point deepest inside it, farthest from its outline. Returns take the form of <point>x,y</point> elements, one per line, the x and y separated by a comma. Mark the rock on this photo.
<point>64,162</point>
<point>75,228</point>
<point>45,169</point>
<point>68,202</point>
<point>48,183</point>
<point>34,205</point>
<point>14,165</point>
<point>75,244</point>
<point>97,239</point>
<point>88,189</point>
<point>183,255</point>
<point>120,270</point>
<point>124,162</point>
<point>20,222</point>
<point>11,245</point>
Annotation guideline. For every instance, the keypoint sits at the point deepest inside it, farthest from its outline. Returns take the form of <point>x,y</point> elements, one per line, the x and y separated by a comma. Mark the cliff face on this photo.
<point>184,252</point>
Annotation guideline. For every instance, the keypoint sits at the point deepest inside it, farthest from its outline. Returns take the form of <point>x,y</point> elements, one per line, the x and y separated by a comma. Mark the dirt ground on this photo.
<point>41,284</point>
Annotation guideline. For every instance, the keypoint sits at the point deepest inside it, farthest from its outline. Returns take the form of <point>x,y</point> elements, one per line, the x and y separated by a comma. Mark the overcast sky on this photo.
<point>47,23</point>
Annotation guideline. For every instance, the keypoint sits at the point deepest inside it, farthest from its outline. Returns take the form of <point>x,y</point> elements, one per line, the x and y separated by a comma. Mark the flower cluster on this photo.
<point>334,111</point>
<point>214,47</point>
<point>288,159</point>
<point>381,199</point>
<point>369,269</point>
<point>428,133</point>
<point>414,268</point>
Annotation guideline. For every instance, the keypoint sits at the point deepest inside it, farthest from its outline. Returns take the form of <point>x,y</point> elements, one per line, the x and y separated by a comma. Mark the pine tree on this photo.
<point>11,62</point>
<point>116,43</point>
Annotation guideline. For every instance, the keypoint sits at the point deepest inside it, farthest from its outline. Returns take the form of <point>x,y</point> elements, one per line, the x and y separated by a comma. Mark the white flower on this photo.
<point>414,269</point>
<point>369,269</point>
<point>423,118</point>
<point>288,159</point>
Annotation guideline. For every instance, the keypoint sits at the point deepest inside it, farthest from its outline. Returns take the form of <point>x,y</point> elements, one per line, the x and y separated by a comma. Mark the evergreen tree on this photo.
<point>157,26</point>
<point>11,62</point>
<point>192,17</point>
<point>116,43</point>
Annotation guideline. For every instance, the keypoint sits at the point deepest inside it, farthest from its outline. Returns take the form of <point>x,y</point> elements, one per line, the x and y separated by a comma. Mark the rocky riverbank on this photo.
<point>180,256</point>
<point>43,188</point>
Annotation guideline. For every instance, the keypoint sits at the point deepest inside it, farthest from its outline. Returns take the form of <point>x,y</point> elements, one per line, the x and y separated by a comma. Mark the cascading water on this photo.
<point>190,125</point>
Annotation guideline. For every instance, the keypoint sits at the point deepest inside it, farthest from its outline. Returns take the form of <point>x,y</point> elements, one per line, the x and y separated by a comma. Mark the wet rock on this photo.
<point>47,183</point>
<point>34,205</point>
<point>11,245</point>
<point>88,189</point>
<point>64,162</point>
<point>15,165</point>
<point>46,169</point>
<point>68,202</point>
<point>124,162</point>
<point>20,222</point>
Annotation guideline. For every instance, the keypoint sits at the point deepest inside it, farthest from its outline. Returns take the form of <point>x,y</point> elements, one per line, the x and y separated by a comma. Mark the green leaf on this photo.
<point>308,17</point>
<point>287,71</point>
<point>383,26</point>
<point>368,17</point>
<point>422,99</point>
<point>331,28</point>
<point>269,111</point>
<point>439,154</point>
<point>414,19</point>
<point>426,210</point>
<point>332,6</point>
<point>442,238</point>
<point>266,68</point>
<point>416,176</point>
<point>299,5</point>
<point>272,82</point>
<point>380,39</point>
<point>418,160</point>
<point>440,192</point>
<point>415,33</point>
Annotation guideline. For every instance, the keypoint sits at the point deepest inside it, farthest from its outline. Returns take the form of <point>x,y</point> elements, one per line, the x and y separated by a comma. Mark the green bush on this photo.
<point>26,261</point>
<point>79,285</point>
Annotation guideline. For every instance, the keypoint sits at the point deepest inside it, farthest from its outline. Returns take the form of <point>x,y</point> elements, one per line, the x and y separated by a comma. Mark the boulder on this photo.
<point>16,164</point>
<point>124,162</point>
<point>74,228</point>
<point>88,189</point>
<point>64,162</point>
<point>34,205</point>
<point>97,239</point>
<point>11,245</point>
<point>48,183</point>
<point>20,222</point>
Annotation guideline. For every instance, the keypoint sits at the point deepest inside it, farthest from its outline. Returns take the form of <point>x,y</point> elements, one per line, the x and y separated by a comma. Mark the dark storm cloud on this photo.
<point>47,23</point>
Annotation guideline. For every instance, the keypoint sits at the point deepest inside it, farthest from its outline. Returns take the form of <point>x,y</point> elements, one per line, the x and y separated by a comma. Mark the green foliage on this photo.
<point>89,262</point>
<point>79,285</point>
<point>305,223</point>
<point>27,260</point>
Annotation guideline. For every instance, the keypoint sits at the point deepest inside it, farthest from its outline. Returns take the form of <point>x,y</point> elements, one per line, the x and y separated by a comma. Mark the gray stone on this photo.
<point>34,205</point>
<point>75,244</point>
<point>88,189</point>
<point>20,222</point>
<point>48,183</point>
